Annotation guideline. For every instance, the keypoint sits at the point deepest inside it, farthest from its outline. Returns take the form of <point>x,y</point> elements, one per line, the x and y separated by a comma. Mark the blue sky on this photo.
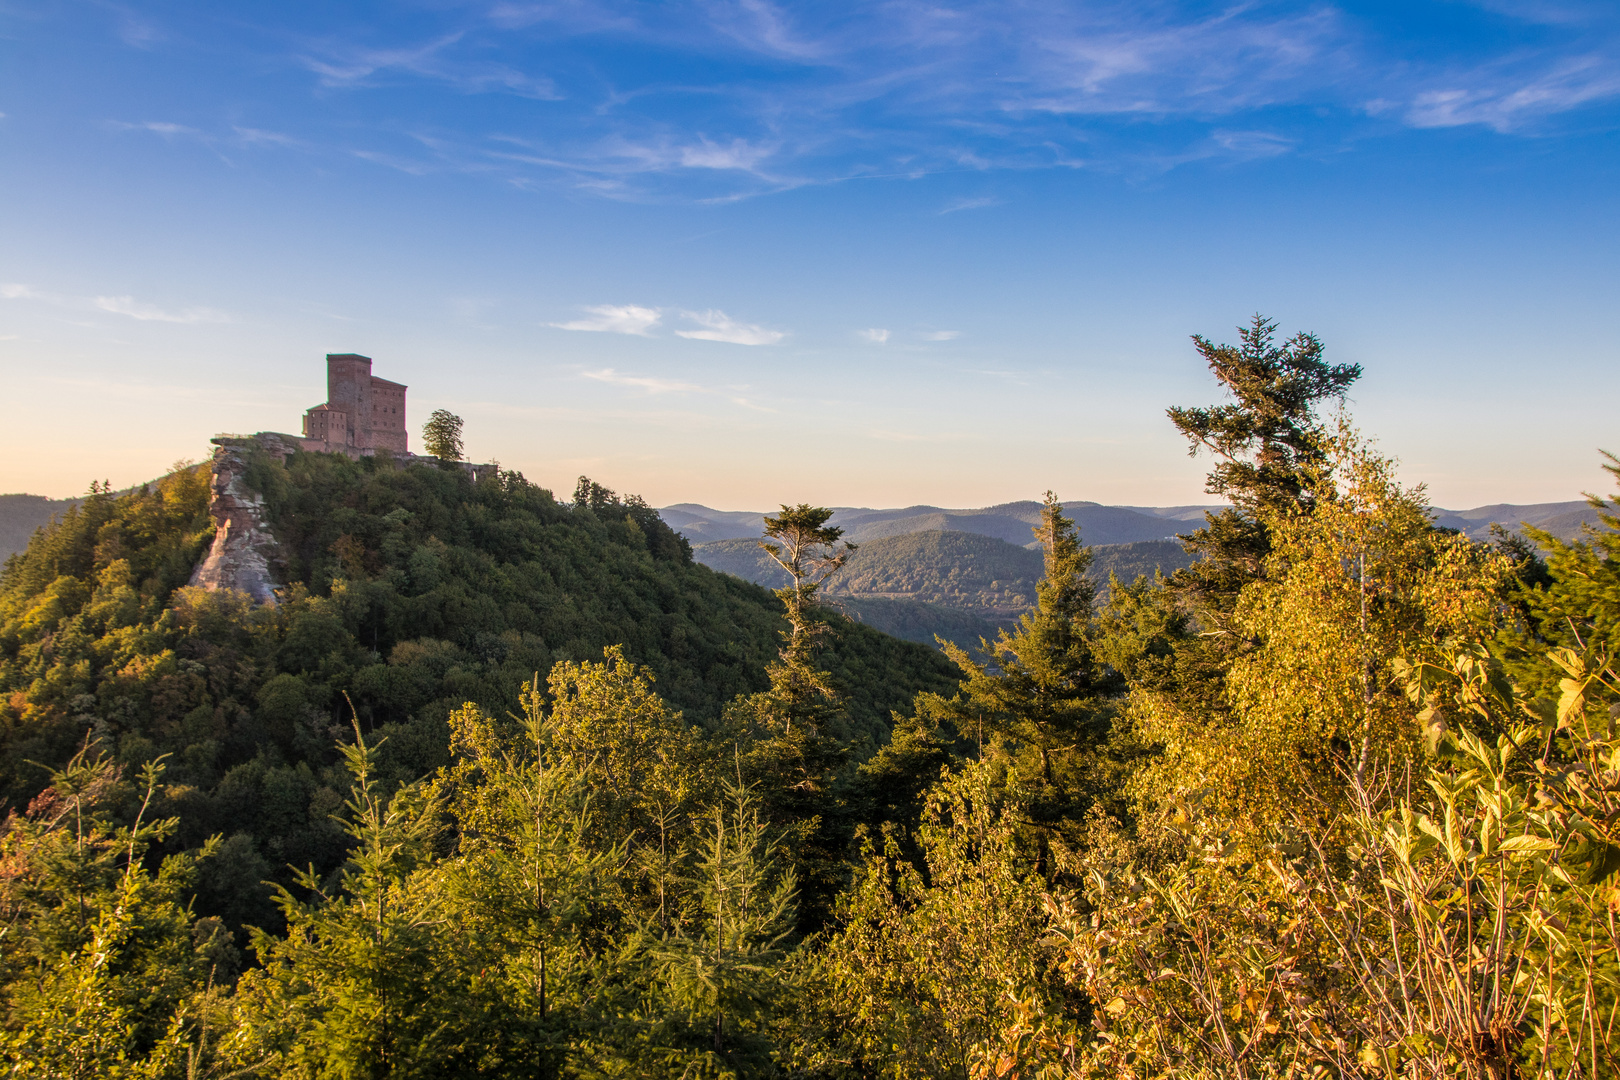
<point>746,252</point>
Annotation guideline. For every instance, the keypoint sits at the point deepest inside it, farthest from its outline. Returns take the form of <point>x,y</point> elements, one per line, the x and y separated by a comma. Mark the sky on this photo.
<point>742,253</point>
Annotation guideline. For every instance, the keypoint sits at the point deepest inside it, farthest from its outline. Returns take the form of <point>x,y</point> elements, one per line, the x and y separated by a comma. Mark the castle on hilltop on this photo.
<point>362,414</point>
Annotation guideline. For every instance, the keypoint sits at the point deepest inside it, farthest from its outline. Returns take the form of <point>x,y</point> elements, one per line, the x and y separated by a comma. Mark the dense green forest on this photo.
<point>1339,798</point>
<point>413,592</point>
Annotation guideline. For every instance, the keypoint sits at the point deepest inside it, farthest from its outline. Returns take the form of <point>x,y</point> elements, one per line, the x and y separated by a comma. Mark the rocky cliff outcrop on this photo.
<point>245,555</point>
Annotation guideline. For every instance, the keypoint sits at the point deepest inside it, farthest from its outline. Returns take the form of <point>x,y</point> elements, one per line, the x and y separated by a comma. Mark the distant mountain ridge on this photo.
<point>20,515</point>
<point>1010,522</point>
<point>1098,524</point>
<point>957,585</point>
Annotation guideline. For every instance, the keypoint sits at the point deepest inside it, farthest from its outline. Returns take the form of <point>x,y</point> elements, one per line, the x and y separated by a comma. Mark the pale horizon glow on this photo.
<point>767,252</point>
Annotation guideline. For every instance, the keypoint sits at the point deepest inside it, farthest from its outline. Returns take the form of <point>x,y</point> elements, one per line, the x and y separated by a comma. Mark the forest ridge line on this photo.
<point>1098,523</point>
<point>21,514</point>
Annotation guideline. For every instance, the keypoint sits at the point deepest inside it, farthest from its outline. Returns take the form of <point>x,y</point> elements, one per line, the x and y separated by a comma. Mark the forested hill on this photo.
<point>1098,524</point>
<point>21,515</point>
<point>960,586</point>
<point>412,590</point>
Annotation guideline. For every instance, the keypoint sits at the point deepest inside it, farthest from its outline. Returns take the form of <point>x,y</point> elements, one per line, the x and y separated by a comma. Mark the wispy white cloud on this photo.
<point>643,382</point>
<point>874,335</point>
<point>258,137</point>
<point>127,306</point>
<point>748,97</point>
<point>1250,145</point>
<point>136,32</point>
<point>1549,12</point>
<point>718,326</point>
<point>737,154</point>
<point>763,27</point>
<point>347,65</point>
<point>654,385</point>
<point>1507,101</point>
<point>166,128</point>
<point>615,319</point>
<point>956,205</point>
<point>235,137</point>
<point>941,335</point>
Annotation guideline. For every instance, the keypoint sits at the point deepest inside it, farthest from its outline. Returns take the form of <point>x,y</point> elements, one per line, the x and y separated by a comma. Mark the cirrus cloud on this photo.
<point>127,306</point>
<point>615,319</point>
<point>648,383</point>
<point>718,326</point>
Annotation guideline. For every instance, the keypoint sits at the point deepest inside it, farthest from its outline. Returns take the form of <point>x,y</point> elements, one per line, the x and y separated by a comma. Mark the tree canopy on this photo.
<point>508,787</point>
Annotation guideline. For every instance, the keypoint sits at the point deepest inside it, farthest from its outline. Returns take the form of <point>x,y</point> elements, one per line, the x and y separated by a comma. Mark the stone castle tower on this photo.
<point>362,413</point>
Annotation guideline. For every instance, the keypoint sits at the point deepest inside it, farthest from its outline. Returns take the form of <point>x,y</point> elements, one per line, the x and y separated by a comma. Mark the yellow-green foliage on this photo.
<point>1344,803</point>
<point>1352,586</point>
<point>930,947</point>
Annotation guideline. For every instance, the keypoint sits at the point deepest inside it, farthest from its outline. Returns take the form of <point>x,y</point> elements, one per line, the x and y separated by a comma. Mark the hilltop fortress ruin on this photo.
<point>363,416</point>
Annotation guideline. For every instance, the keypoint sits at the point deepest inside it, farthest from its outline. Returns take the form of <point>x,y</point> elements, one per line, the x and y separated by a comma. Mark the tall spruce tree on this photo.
<point>724,971</point>
<point>1270,453</point>
<point>798,728</point>
<point>1266,441</point>
<point>1038,694</point>
<point>370,980</point>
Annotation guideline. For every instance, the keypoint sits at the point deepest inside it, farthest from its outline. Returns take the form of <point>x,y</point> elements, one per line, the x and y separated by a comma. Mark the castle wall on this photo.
<point>348,390</point>
<point>387,429</point>
<point>362,413</point>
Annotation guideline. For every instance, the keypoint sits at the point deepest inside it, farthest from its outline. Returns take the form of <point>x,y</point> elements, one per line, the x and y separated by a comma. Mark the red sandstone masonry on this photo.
<point>362,414</point>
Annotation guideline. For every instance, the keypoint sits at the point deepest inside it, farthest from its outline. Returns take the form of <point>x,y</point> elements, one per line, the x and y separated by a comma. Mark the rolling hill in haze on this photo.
<point>1010,522</point>
<point>923,571</point>
<point>20,515</point>
<point>958,585</point>
<point>1098,524</point>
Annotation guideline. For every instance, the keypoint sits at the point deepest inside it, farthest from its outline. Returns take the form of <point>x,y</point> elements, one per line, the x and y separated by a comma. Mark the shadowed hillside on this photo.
<point>20,515</point>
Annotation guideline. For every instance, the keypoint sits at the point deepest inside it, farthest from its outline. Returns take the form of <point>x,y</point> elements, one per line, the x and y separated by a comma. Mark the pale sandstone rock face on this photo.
<point>245,554</point>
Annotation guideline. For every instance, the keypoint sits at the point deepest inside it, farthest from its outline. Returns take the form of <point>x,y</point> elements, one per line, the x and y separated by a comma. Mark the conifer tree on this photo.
<point>1579,607</point>
<point>1266,442</point>
<point>794,727</point>
<point>369,980</point>
<point>928,947</point>
<point>525,876</point>
<point>1040,687</point>
<point>1269,446</point>
<point>648,771</point>
<point>724,969</point>
<point>802,543</point>
<point>105,970</point>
